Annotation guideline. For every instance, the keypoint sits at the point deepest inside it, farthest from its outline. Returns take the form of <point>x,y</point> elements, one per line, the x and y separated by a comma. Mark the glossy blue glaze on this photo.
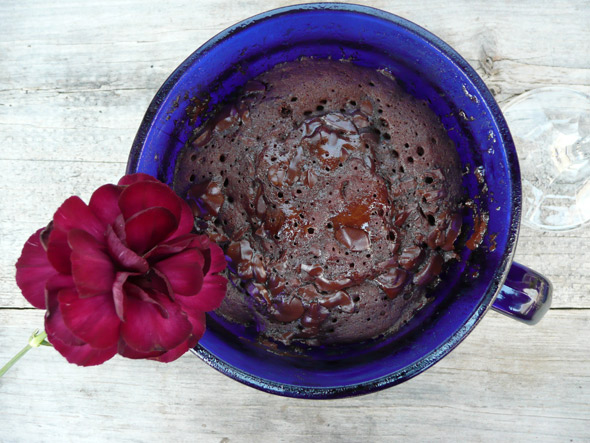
<point>525,296</point>
<point>427,68</point>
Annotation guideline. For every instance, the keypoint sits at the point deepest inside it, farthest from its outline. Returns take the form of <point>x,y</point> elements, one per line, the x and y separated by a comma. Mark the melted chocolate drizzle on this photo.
<point>308,160</point>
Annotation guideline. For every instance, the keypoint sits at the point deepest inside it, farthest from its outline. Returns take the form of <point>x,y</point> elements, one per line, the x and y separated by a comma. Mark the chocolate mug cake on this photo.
<point>336,196</point>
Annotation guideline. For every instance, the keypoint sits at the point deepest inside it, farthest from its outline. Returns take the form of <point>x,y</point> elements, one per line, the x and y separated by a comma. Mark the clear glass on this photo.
<point>551,131</point>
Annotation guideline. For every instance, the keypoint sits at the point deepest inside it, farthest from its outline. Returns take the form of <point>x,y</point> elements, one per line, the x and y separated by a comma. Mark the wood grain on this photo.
<point>75,80</point>
<point>505,382</point>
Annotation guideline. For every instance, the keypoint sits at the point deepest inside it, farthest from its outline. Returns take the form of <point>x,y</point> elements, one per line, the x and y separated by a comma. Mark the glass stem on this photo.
<point>36,340</point>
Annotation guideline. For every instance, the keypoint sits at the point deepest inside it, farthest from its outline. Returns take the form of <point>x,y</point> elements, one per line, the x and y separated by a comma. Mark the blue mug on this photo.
<point>429,69</point>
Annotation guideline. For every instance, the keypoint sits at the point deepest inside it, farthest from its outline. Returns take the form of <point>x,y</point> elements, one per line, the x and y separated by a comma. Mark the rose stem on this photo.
<point>36,340</point>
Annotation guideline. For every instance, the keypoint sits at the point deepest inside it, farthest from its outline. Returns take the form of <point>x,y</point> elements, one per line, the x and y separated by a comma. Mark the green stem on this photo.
<point>36,340</point>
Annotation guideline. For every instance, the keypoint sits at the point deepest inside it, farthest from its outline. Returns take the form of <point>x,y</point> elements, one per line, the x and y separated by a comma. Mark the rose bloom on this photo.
<point>123,274</point>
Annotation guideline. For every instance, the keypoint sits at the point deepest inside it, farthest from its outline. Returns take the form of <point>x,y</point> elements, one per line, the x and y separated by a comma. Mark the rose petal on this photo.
<point>44,235</point>
<point>58,251</point>
<point>83,355</point>
<point>33,270</point>
<point>134,289</point>
<point>145,330</point>
<point>104,203</point>
<point>119,228</point>
<point>198,323</point>
<point>119,293</point>
<point>210,297</point>
<point>217,258</point>
<point>92,268</point>
<point>148,228</point>
<point>214,260</point>
<point>214,256</point>
<point>93,320</point>
<point>126,351</point>
<point>54,323</point>
<point>186,222</point>
<point>172,354</point>
<point>161,283</point>
<point>129,179</point>
<point>122,255</point>
<point>183,271</point>
<point>74,214</point>
<point>140,196</point>
<point>171,247</point>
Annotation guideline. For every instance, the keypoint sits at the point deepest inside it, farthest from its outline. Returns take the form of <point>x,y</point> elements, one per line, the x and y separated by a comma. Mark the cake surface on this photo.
<point>336,197</point>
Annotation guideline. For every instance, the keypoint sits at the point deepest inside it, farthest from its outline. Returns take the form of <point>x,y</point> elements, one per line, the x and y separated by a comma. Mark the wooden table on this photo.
<point>75,80</point>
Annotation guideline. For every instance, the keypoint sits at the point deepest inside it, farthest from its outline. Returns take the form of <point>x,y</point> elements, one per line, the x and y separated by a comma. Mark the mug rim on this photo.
<point>500,274</point>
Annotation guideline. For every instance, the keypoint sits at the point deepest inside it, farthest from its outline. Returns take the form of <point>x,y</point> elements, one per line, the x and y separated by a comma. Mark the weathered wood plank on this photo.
<point>75,81</point>
<point>505,382</point>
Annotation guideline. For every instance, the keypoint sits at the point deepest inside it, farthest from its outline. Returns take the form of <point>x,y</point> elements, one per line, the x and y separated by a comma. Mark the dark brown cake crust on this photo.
<point>335,194</point>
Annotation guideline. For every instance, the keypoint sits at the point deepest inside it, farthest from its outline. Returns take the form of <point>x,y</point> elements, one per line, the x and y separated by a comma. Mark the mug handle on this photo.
<point>526,295</point>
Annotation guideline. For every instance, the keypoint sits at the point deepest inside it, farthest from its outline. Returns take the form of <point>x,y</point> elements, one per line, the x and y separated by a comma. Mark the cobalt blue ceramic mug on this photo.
<point>429,69</point>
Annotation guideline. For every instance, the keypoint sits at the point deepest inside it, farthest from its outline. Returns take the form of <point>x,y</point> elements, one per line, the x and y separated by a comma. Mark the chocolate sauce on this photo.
<point>354,239</point>
<point>336,196</point>
<point>287,310</point>
<point>392,282</point>
<point>205,199</point>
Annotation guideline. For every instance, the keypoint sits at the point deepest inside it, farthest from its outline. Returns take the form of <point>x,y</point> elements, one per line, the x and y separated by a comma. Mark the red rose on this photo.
<point>122,274</point>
